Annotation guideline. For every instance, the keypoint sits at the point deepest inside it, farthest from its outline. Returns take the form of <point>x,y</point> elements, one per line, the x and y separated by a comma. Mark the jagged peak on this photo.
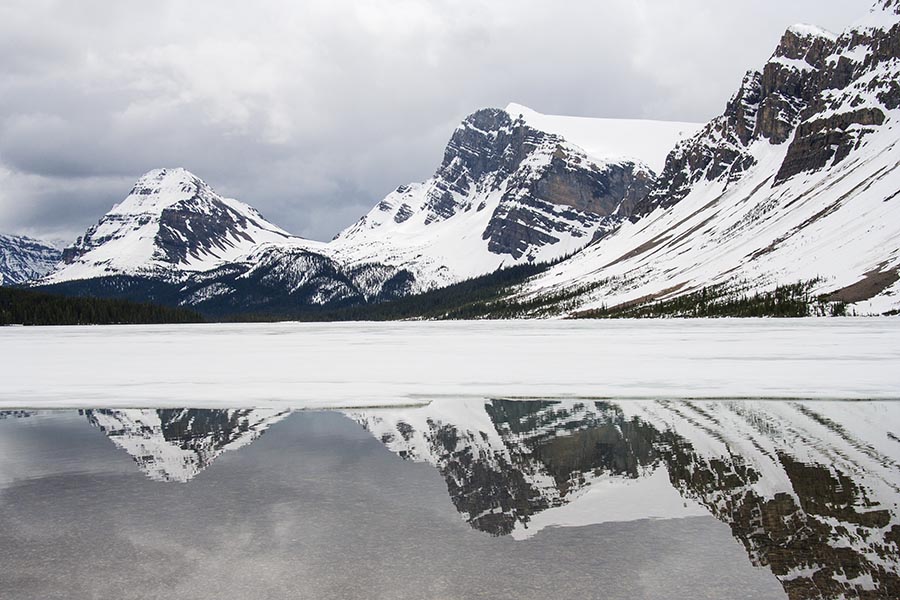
<point>486,119</point>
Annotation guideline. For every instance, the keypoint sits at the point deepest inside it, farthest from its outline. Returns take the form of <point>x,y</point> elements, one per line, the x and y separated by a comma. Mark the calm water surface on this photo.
<point>459,499</point>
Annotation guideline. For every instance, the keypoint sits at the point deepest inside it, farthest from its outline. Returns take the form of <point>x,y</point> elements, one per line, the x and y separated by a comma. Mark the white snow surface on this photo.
<point>884,15</point>
<point>616,500</point>
<point>644,140</point>
<point>378,364</point>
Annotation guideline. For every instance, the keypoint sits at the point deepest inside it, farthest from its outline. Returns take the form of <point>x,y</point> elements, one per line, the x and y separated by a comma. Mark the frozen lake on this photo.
<point>736,459</point>
<point>375,364</point>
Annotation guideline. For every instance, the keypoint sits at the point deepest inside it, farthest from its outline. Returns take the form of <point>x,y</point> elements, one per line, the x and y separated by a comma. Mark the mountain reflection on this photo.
<point>177,444</point>
<point>809,489</point>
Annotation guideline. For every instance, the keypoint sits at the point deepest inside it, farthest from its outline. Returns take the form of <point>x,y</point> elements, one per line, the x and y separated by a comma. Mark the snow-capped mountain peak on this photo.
<point>170,223</point>
<point>795,182</point>
<point>514,186</point>
<point>23,259</point>
<point>808,30</point>
<point>159,189</point>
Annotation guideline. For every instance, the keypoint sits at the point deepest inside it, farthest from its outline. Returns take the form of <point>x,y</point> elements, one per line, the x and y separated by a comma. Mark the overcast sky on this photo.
<point>312,111</point>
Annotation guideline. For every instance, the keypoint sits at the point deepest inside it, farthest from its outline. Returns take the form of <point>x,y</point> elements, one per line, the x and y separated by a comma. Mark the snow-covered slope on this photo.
<point>23,259</point>
<point>177,444</point>
<point>798,180</point>
<point>514,186</point>
<point>172,223</point>
<point>810,490</point>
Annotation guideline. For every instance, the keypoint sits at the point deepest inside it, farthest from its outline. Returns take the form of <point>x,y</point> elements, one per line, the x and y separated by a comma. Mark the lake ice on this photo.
<point>301,365</point>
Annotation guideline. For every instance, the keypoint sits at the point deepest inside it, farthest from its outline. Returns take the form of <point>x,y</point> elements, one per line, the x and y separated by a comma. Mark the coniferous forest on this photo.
<point>486,297</point>
<point>27,307</point>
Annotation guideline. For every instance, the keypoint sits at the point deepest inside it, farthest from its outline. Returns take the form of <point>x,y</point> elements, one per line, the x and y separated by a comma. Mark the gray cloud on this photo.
<point>313,112</point>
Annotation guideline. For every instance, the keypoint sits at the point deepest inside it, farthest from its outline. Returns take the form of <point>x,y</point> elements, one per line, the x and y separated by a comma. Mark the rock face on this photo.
<point>23,259</point>
<point>797,483</point>
<point>767,106</point>
<point>857,84</point>
<point>509,190</point>
<point>797,181</point>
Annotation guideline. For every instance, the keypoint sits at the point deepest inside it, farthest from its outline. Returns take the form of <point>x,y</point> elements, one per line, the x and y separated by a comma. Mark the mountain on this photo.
<point>788,202</point>
<point>514,186</point>
<point>511,189</point>
<point>809,489</point>
<point>23,259</point>
<point>797,181</point>
<point>173,240</point>
<point>177,444</point>
<point>171,224</point>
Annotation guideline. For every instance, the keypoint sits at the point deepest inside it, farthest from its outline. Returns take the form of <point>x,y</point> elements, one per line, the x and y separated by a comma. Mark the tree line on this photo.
<point>28,307</point>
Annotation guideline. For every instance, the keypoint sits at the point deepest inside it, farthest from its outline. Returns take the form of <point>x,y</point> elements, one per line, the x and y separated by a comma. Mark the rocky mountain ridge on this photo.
<point>170,224</point>
<point>510,190</point>
<point>23,259</point>
<point>795,182</point>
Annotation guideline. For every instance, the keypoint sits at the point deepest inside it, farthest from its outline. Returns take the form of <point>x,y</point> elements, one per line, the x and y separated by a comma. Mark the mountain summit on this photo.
<point>514,186</point>
<point>170,223</point>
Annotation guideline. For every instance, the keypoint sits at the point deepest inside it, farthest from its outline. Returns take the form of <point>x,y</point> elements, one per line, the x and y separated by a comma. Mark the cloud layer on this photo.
<point>313,111</point>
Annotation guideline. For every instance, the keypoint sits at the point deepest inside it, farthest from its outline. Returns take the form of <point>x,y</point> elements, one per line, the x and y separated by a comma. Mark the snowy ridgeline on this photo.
<point>373,364</point>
